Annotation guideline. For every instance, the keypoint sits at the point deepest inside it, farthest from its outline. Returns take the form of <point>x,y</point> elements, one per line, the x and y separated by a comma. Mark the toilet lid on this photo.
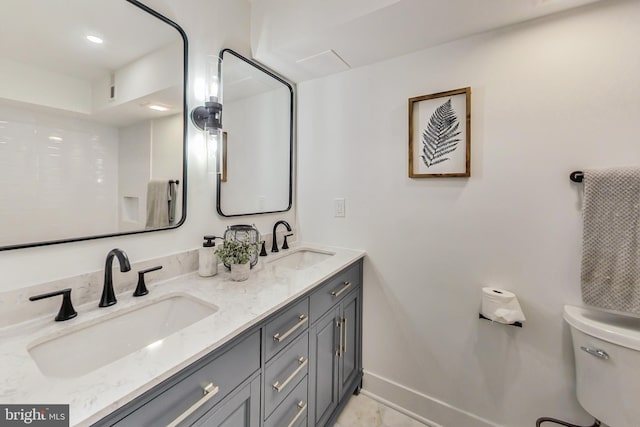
<point>616,328</point>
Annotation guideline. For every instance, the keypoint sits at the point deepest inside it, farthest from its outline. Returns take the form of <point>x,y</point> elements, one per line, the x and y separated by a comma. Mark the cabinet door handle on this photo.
<point>339,349</point>
<point>209,391</point>
<point>344,332</point>
<point>302,362</point>
<point>345,286</point>
<point>301,408</point>
<point>302,319</point>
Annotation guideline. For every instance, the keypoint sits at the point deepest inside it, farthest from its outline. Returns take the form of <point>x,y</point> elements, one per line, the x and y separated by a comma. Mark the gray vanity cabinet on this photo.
<point>297,368</point>
<point>335,346</point>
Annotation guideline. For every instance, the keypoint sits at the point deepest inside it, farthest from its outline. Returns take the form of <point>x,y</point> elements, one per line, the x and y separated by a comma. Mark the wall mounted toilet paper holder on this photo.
<point>518,324</point>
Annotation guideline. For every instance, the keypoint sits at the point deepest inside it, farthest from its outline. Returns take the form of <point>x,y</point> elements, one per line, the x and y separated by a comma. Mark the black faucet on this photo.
<point>108,295</point>
<point>274,245</point>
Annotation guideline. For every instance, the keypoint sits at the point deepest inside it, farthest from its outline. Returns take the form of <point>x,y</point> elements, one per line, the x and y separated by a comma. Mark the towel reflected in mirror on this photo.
<point>161,203</point>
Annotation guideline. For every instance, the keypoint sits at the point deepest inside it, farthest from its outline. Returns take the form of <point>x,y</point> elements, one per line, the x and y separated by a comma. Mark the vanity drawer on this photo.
<point>286,327</point>
<point>225,372</point>
<point>293,410</point>
<point>333,291</point>
<point>284,372</point>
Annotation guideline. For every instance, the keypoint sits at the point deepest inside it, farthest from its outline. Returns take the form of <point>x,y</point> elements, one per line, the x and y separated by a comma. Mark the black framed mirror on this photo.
<point>257,125</point>
<point>92,121</point>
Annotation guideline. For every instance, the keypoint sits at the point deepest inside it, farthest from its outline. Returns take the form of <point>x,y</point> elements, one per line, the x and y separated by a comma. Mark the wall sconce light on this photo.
<point>208,117</point>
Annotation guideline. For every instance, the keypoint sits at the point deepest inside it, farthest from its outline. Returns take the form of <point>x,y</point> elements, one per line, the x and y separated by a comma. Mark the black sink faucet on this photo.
<point>274,245</point>
<point>108,295</point>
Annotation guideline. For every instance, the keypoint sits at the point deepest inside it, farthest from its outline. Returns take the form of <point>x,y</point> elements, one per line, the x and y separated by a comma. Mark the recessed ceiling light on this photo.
<point>158,107</point>
<point>55,138</point>
<point>95,39</point>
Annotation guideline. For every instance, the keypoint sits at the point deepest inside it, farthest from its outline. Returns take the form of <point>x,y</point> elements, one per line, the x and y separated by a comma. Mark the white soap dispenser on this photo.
<point>207,258</point>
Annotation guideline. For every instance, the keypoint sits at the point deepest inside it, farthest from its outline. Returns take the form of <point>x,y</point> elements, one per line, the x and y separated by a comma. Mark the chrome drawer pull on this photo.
<point>345,286</point>
<point>302,320</point>
<point>302,362</point>
<point>301,408</point>
<point>595,352</point>
<point>209,391</point>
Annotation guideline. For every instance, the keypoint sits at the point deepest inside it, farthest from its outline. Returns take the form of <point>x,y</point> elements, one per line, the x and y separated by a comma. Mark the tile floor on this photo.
<point>362,411</point>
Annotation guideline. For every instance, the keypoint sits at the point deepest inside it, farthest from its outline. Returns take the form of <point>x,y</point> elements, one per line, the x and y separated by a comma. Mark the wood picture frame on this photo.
<point>440,134</point>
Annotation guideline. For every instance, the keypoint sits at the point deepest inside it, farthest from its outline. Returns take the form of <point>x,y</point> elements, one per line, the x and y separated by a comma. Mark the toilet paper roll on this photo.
<point>501,306</point>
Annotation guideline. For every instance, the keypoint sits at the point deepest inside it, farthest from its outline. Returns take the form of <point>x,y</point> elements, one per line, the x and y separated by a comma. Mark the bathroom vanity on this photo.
<point>281,349</point>
<point>301,363</point>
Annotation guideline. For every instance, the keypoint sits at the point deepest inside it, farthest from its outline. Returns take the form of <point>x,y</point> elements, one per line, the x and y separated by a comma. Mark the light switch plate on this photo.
<point>339,208</point>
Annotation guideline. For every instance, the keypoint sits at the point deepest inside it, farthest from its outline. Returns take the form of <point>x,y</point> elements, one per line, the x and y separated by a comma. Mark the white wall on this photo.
<point>210,25</point>
<point>548,97</point>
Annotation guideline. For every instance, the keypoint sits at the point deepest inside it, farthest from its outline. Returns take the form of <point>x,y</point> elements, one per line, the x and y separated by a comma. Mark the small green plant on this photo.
<point>236,251</point>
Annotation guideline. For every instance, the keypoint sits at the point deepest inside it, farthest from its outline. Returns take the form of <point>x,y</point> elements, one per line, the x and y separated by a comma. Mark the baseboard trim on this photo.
<point>400,409</point>
<point>425,409</point>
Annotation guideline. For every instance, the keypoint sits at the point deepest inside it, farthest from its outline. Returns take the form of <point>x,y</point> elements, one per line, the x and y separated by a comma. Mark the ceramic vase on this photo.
<point>240,272</point>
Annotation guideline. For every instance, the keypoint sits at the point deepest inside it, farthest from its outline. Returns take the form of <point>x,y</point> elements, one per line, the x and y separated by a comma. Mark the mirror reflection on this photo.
<point>91,120</point>
<point>257,124</point>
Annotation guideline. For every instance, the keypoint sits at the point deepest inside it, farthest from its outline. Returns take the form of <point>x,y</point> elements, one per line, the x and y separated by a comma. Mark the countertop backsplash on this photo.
<point>15,306</point>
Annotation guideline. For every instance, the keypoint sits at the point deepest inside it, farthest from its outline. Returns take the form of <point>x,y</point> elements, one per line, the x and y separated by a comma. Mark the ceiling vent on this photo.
<point>324,63</point>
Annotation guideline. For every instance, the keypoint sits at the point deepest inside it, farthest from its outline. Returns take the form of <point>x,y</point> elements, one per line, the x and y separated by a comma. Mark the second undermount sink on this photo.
<point>300,259</point>
<point>88,348</point>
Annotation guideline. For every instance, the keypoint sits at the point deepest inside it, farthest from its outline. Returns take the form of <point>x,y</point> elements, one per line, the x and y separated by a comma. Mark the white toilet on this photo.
<point>607,354</point>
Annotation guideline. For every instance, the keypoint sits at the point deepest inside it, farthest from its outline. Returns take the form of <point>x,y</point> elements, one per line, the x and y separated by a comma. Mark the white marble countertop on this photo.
<point>98,393</point>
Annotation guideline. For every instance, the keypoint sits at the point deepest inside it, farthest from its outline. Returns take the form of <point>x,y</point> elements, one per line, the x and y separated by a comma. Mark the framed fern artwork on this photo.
<point>440,134</point>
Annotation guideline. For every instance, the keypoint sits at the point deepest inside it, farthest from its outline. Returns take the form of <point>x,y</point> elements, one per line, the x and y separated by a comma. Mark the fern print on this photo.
<point>439,137</point>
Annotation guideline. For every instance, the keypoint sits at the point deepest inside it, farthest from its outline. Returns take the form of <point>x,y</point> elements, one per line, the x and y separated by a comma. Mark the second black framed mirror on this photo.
<point>257,129</point>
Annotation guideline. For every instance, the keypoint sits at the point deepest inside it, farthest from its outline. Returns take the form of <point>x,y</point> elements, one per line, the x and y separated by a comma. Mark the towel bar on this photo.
<point>176,182</point>
<point>576,176</point>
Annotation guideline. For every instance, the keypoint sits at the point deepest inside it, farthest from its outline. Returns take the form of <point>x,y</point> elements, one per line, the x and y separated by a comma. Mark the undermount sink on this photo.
<point>301,259</point>
<point>90,347</point>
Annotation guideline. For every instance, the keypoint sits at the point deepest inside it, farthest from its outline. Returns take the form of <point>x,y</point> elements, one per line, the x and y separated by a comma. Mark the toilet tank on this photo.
<point>606,347</point>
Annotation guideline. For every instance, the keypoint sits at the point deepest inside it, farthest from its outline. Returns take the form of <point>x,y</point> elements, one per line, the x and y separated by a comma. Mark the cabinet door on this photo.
<point>350,341</point>
<point>241,409</point>
<point>324,369</point>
